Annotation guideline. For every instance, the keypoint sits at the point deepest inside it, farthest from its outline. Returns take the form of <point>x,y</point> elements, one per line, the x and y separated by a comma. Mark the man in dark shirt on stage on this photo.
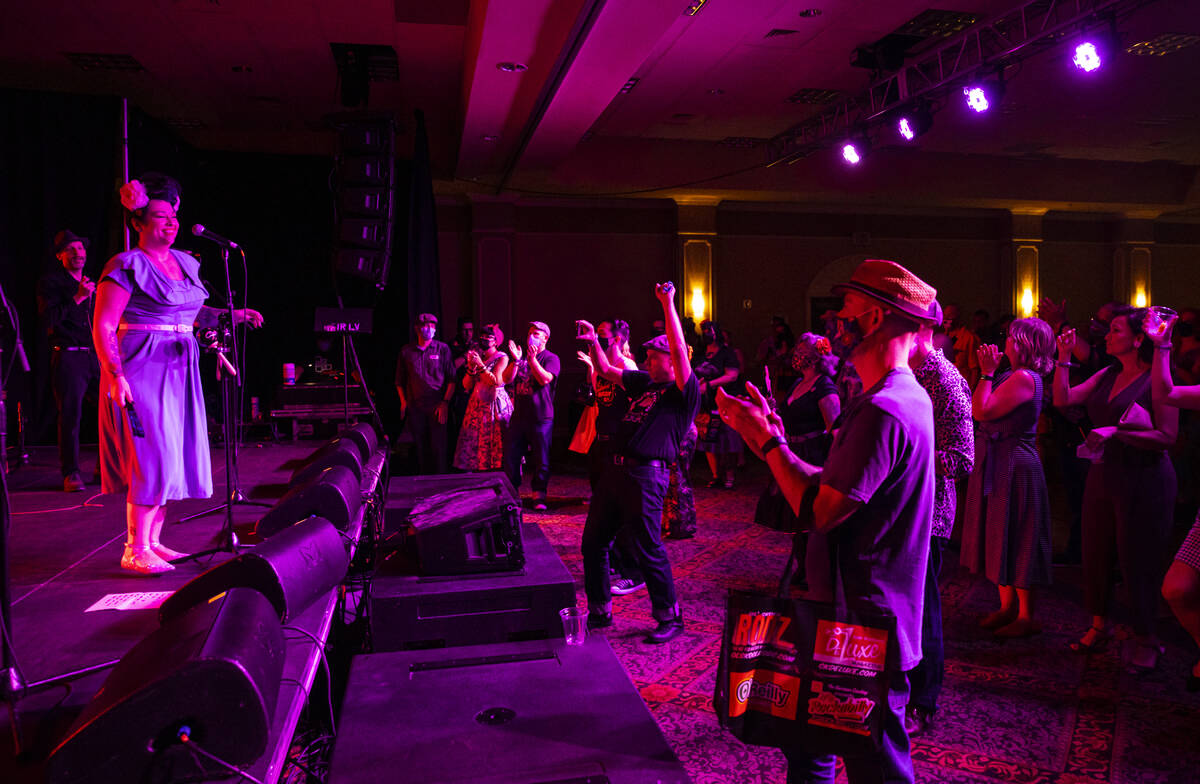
<point>663,401</point>
<point>425,384</point>
<point>871,504</point>
<point>65,304</point>
<point>533,374</point>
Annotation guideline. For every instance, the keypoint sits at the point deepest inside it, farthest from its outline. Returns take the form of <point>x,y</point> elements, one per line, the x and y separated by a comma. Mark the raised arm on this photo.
<point>679,358</point>
<point>600,364</point>
<point>1064,393</point>
<point>1161,384</point>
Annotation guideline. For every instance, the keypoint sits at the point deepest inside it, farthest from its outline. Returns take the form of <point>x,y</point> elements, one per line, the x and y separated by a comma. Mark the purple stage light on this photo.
<point>906,129</point>
<point>1087,57</point>
<point>976,98</point>
<point>850,153</point>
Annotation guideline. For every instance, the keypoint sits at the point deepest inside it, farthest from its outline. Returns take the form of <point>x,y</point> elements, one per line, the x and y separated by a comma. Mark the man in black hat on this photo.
<point>871,503</point>
<point>425,384</point>
<point>65,304</point>
<point>663,401</point>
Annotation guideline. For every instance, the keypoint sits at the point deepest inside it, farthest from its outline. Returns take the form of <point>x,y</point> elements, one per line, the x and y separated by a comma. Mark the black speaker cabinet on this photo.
<point>292,569</point>
<point>469,530</point>
<point>211,674</point>
<point>339,451</point>
<point>335,494</point>
<point>365,436</point>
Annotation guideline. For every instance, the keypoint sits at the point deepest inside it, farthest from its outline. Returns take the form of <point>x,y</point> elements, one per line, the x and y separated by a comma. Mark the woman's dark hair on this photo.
<point>158,187</point>
<point>715,326</point>
<point>1134,318</point>
<point>620,328</point>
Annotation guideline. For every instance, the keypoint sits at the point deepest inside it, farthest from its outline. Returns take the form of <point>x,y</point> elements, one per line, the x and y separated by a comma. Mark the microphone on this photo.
<point>199,230</point>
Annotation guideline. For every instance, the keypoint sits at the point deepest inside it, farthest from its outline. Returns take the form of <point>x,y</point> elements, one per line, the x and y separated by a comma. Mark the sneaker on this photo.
<point>666,631</point>
<point>598,619</point>
<point>624,585</point>
<point>916,721</point>
<point>73,484</point>
<point>539,502</point>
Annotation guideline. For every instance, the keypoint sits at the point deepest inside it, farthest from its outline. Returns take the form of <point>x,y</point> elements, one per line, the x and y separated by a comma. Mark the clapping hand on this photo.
<point>989,358</point>
<point>515,350</point>
<point>752,418</point>
<point>585,358</point>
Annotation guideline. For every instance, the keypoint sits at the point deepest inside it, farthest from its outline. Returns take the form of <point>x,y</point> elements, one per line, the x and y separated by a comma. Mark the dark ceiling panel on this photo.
<point>440,12</point>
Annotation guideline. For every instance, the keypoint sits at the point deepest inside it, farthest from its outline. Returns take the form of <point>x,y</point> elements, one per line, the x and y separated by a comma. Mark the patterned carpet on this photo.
<point>1019,711</point>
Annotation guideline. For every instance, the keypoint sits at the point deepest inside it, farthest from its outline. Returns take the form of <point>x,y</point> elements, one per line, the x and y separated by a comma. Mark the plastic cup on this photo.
<point>574,621</point>
<point>289,374</point>
<point>1159,316</point>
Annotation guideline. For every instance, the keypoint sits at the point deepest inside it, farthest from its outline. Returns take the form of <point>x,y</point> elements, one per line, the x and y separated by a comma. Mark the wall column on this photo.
<point>1026,256</point>
<point>697,229</point>
<point>1131,259</point>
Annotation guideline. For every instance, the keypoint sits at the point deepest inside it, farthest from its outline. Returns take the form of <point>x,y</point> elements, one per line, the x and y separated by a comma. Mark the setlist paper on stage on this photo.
<point>144,600</point>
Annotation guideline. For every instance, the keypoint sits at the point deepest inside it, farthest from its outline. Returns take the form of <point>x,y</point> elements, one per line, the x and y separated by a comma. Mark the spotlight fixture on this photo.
<point>914,121</point>
<point>855,147</point>
<point>984,95</point>
<point>1087,57</point>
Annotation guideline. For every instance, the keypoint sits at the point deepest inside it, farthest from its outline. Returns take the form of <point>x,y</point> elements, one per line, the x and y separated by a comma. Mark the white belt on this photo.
<point>154,327</point>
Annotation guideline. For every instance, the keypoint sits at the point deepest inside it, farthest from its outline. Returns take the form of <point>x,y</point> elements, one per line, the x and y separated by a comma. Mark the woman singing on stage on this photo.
<point>153,427</point>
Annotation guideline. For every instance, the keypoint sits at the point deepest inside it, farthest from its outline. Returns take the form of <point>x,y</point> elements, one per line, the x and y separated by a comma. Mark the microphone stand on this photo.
<point>224,342</point>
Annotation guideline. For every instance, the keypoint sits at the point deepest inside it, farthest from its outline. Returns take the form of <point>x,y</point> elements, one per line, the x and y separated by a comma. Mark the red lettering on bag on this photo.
<point>850,644</point>
<point>741,632</point>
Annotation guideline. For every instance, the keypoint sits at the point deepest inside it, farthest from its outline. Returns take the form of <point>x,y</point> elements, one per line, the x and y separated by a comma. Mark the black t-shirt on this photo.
<point>611,403</point>
<point>802,415</point>
<point>659,416</point>
<point>69,323</point>
<point>533,401</point>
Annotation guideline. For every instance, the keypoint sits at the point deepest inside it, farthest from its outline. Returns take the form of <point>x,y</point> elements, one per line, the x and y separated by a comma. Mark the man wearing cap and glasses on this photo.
<point>425,384</point>
<point>871,504</point>
<point>533,374</point>
<point>663,401</point>
<point>65,303</point>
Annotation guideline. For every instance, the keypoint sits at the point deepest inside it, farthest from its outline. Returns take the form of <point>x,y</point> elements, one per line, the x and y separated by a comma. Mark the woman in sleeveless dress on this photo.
<point>1006,527</point>
<point>1129,497</point>
<point>481,439</point>
<point>147,301</point>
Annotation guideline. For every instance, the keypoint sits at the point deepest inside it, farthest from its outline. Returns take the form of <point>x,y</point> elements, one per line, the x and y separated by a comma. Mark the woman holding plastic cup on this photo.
<point>1129,497</point>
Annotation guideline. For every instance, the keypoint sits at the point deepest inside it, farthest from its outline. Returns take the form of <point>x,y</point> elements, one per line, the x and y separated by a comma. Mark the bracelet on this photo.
<point>987,378</point>
<point>768,445</point>
<point>1063,364</point>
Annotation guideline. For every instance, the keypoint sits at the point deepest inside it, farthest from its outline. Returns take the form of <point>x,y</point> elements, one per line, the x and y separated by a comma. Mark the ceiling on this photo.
<point>711,88</point>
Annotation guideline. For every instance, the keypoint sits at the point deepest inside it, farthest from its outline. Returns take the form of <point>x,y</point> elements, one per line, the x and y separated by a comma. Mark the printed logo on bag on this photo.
<point>764,691</point>
<point>839,708</point>
<point>847,645</point>
<point>755,631</point>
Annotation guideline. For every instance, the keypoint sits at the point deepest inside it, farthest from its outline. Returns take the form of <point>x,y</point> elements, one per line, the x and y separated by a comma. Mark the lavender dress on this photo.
<point>172,461</point>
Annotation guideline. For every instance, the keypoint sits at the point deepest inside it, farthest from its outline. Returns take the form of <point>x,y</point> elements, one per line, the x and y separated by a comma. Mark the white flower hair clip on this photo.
<point>134,196</point>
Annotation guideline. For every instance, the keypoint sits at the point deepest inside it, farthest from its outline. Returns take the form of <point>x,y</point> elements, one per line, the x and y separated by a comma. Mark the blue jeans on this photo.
<point>892,764</point>
<point>534,436</point>
<point>926,678</point>
<point>631,498</point>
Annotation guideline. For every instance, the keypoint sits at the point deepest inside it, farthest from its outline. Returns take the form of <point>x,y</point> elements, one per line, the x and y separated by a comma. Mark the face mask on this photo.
<point>427,332</point>
<point>802,361</point>
<point>605,343</point>
<point>845,334</point>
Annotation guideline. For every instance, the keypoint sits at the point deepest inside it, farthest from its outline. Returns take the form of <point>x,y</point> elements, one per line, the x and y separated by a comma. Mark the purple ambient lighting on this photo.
<point>906,129</point>
<point>850,153</point>
<point>1087,57</point>
<point>976,98</point>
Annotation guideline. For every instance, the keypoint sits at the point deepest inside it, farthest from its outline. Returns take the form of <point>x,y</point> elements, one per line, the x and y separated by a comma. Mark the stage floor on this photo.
<point>65,551</point>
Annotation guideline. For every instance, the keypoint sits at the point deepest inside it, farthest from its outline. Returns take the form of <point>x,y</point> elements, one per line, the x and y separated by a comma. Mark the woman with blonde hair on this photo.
<point>1006,532</point>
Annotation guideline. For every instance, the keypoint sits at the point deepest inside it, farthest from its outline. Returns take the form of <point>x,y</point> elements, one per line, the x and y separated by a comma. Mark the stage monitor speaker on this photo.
<point>339,451</point>
<point>365,436</point>
<point>212,673</point>
<point>469,530</point>
<point>335,494</point>
<point>292,569</point>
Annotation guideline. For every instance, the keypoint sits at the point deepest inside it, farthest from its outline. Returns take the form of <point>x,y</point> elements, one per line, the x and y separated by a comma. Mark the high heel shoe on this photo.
<point>1094,640</point>
<point>166,553</point>
<point>143,560</point>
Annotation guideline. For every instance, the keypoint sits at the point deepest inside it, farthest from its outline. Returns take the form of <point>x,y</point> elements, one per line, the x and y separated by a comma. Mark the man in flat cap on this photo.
<point>425,384</point>
<point>871,504</point>
<point>65,303</point>
<point>663,401</point>
<point>533,374</point>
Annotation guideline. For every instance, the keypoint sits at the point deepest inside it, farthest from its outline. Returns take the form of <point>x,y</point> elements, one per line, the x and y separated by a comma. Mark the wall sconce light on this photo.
<point>1139,298</point>
<point>1027,303</point>
<point>699,304</point>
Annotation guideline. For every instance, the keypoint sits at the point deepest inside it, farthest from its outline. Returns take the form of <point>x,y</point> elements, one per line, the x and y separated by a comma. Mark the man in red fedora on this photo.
<point>871,504</point>
<point>65,303</point>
